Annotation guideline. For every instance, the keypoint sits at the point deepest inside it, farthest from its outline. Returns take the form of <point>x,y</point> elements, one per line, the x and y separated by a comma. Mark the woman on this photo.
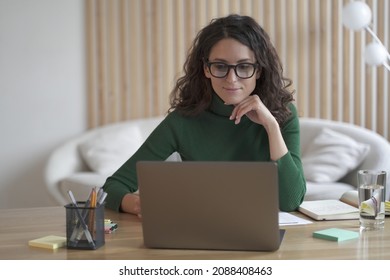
<point>231,104</point>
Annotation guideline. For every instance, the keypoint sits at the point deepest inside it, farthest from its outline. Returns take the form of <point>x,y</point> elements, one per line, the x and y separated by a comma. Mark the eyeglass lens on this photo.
<point>242,70</point>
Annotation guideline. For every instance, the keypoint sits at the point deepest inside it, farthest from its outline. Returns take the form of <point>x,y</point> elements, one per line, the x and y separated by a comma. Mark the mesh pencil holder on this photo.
<point>84,226</point>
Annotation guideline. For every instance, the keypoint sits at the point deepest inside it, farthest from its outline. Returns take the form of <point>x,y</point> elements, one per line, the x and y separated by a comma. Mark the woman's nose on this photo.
<point>231,75</point>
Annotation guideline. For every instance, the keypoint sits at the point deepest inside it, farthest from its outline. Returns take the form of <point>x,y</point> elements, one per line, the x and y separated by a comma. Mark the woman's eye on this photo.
<point>220,66</point>
<point>244,67</point>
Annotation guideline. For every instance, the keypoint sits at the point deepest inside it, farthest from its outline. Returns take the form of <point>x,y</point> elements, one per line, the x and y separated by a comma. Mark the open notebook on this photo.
<point>346,208</point>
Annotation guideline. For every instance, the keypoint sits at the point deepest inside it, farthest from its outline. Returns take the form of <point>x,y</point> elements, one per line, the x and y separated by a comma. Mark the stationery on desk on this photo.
<point>109,226</point>
<point>78,230</point>
<point>336,234</point>
<point>83,220</point>
<point>84,226</point>
<point>48,242</point>
<point>86,219</point>
<point>287,219</point>
<point>343,209</point>
<point>346,208</point>
<point>92,211</point>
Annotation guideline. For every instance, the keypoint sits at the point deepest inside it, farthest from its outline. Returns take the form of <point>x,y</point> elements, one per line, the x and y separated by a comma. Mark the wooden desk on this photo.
<point>21,225</point>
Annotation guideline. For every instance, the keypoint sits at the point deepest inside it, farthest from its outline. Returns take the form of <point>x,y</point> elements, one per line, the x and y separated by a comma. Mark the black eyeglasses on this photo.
<point>242,70</point>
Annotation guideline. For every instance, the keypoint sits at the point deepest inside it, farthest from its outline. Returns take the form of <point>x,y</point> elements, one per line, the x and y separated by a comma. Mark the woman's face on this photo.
<point>232,89</point>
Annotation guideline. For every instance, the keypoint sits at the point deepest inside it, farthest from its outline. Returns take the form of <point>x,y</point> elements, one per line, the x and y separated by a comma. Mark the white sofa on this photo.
<point>377,157</point>
<point>87,160</point>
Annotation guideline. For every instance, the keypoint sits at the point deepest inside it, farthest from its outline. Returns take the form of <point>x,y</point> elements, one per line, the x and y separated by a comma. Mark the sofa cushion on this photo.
<point>108,150</point>
<point>331,155</point>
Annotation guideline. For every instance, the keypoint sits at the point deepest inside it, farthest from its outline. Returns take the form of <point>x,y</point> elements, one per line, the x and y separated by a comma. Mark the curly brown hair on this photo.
<point>193,92</point>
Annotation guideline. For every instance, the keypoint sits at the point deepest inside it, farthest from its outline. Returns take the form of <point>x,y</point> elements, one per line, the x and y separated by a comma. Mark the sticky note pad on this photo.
<point>336,234</point>
<point>48,242</point>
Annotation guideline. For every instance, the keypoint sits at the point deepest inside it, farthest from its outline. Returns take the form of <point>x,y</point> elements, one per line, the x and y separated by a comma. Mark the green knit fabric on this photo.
<point>213,137</point>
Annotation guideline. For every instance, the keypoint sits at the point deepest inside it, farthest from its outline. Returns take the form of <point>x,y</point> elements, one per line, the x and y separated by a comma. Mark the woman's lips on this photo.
<point>232,89</point>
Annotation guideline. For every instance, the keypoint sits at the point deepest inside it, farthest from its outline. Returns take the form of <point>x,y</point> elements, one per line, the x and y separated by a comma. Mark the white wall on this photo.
<point>42,92</point>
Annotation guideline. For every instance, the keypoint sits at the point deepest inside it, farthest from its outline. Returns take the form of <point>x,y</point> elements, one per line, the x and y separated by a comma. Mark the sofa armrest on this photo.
<point>66,160</point>
<point>62,163</point>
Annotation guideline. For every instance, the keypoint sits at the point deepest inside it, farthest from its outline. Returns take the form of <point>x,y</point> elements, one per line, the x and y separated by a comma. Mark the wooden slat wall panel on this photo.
<point>136,50</point>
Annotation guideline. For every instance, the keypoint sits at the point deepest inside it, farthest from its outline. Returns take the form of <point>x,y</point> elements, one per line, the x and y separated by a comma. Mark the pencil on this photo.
<point>92,212</point>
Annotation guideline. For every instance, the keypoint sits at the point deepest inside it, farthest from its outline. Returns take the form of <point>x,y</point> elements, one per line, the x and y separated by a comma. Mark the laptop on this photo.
<point>210,205</point>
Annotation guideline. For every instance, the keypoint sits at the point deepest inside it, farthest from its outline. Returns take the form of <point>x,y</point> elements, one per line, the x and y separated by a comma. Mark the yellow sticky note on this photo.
<point>48,242</point>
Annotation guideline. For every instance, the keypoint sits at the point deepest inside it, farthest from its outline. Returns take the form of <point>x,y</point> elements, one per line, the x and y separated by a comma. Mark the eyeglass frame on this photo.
<point>231,66</point>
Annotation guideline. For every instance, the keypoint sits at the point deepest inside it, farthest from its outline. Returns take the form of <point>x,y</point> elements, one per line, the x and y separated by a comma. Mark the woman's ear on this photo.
<point>206,71</point>
<point>258,73</point>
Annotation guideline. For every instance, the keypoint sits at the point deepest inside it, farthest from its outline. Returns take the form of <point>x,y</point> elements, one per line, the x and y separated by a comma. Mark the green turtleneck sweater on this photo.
<point>211,136</point>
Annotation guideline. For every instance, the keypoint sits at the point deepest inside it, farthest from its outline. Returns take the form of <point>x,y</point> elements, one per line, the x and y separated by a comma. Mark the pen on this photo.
<point>84,225</point>
<point>102,198</point>
<point>99,194</point>
<point>78,229</point>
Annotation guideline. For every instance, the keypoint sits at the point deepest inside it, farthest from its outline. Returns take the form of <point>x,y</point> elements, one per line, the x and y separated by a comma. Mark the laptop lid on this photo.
<point>209,205</point>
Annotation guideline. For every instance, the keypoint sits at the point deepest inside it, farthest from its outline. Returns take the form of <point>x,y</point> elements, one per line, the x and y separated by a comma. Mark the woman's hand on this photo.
<point>254,109</point>
<point>131,203</point>
<point>258,113</point>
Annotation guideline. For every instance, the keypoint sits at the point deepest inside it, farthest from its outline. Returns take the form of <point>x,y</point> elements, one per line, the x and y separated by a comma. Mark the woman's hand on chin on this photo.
<point>254,109</point>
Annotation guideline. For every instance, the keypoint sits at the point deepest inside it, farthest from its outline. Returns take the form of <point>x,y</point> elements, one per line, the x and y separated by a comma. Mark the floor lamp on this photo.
<point>357,16</point>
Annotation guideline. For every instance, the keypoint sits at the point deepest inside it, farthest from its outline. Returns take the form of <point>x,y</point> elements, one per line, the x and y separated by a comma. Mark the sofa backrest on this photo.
<point>377,157</point>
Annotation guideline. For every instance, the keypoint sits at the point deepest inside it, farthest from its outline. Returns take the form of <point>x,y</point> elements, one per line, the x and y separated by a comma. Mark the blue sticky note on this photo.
<point>336,234</point>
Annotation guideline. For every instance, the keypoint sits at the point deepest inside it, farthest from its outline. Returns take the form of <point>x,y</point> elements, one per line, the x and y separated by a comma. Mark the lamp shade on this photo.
<point>375,54</point>
<point>356,15</point>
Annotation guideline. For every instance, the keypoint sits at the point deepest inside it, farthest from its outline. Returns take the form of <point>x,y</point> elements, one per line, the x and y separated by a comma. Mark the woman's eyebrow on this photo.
<point>238,61</point>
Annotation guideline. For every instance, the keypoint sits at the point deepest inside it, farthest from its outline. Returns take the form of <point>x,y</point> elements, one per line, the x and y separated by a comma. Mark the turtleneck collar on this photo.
<point>218,106</point>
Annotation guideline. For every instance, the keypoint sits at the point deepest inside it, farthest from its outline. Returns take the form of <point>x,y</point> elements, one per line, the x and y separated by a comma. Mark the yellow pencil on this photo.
<point>91,224</point>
